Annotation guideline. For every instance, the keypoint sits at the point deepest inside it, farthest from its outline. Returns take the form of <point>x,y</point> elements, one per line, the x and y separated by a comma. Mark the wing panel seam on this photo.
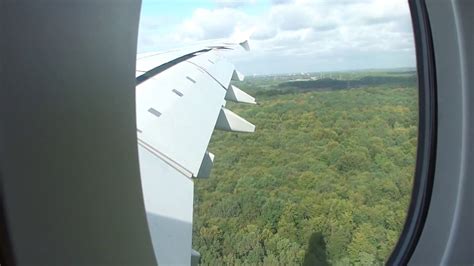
<point>178,167</point>
<point>198,66</point>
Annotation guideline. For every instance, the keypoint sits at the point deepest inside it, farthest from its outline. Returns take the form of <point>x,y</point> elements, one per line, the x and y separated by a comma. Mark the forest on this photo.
<point>326,178</point>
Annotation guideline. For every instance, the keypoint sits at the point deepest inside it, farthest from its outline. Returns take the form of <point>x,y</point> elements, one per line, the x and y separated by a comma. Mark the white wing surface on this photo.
<point>180,98</point>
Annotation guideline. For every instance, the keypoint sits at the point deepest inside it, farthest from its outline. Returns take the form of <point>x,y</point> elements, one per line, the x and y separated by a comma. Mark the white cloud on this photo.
<point>212,24</point>
<point>306,33</point>
<point>291,17</point>
<point>264,32</point>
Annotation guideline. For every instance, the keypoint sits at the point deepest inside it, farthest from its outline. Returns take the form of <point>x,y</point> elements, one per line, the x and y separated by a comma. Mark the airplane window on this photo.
<point>327,176</point>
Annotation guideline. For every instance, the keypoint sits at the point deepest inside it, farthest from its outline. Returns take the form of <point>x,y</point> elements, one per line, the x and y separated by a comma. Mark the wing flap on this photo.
<point>168,197</point>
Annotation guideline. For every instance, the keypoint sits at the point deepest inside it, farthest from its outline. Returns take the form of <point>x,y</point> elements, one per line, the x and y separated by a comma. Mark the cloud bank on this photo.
<point>299,35</point>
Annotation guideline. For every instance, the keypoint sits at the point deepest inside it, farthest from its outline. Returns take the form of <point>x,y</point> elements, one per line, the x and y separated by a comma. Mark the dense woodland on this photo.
<point>325,179</point>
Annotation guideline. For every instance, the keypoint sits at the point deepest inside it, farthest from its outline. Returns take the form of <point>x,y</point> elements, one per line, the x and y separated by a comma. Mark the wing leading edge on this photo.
<point>180,99</point>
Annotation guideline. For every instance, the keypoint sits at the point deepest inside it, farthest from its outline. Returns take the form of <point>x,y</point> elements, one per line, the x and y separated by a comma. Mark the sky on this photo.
<point>287,36</point>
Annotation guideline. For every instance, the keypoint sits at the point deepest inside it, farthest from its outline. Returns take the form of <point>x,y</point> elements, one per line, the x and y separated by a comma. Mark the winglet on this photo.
<point>229,121</point>
<point>237,95</point>
<point>245,45</point>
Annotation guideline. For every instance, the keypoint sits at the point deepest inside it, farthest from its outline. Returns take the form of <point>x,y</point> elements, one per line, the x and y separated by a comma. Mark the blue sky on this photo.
<point>289,36</point>
<point>181,9</point>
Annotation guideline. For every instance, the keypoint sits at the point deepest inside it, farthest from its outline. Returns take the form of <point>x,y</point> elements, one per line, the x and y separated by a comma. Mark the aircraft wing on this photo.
<point>180,99</point>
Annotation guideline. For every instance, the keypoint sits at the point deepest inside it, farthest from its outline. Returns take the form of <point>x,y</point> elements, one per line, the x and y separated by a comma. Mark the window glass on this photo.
<point>327,176</point>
